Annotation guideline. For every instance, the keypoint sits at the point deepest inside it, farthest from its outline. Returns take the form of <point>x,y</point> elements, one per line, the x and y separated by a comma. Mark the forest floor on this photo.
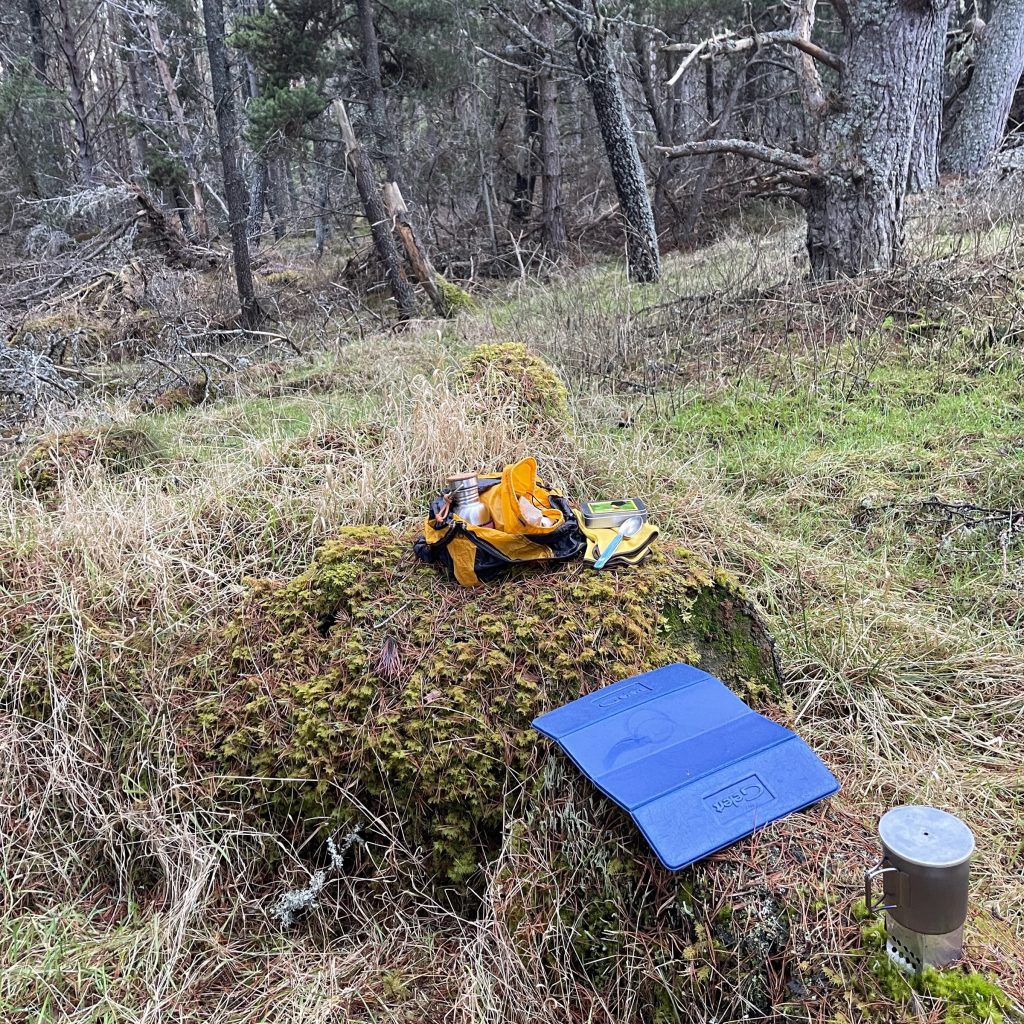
<point>853,453</point>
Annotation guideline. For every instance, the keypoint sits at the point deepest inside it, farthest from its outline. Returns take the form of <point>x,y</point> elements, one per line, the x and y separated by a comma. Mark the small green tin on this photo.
<point>611,514</point>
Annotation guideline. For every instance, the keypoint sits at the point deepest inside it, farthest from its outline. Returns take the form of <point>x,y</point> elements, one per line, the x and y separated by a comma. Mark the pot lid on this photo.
<point>926,836</point>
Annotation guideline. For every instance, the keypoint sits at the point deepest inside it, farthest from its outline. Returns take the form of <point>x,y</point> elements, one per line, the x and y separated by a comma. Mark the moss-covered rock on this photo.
<point>455,300</point>
<point>65,336</point>
<point>183,396</point>
<point>511,369</point>
<point>368,675</point>
<point>54,456</point>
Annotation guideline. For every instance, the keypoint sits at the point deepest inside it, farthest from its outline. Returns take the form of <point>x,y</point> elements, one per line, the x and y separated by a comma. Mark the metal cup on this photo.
<point>925,871</point>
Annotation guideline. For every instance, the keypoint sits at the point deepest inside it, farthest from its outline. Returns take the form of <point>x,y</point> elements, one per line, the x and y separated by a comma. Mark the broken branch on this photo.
<point>753,150</point>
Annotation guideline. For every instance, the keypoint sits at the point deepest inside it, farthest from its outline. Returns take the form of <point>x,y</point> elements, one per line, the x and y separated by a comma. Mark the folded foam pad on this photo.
<point>691,763</point>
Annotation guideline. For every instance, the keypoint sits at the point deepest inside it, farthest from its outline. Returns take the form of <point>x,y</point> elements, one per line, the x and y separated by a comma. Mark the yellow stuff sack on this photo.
<point>477,554</point>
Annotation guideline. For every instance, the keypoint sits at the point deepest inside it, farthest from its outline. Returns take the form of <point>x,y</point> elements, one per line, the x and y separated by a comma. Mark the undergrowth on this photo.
<point>815,441</point>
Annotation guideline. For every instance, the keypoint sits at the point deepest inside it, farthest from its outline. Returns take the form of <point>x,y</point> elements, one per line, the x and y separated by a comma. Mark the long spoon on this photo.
<point>629,528</point>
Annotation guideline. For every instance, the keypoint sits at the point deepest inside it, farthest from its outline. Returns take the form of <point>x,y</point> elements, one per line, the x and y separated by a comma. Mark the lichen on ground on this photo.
<point>383,685</point>
<point>455,300</point>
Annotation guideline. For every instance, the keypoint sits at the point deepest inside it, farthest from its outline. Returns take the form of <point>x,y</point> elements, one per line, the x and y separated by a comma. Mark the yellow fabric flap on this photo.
<point>519,480</point>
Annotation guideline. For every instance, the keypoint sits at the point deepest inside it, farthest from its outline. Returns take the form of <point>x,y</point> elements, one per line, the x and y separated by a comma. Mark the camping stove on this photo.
<point>925,867</point>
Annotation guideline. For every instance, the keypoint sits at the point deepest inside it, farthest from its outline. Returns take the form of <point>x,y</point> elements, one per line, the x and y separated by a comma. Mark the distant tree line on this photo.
<point>455,132</point>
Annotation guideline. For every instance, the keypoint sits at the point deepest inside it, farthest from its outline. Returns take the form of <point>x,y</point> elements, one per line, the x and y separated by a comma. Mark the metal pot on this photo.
<point>925,870</point>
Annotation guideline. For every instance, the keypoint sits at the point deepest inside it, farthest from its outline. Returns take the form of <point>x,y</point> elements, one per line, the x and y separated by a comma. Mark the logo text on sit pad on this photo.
<point>739,798</point>
<point>617,698</point>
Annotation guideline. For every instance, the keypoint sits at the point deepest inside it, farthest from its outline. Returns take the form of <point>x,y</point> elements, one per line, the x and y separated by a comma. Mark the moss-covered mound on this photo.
<point>73,336</point>
<point>116,450</point>
<point>513,369</point>
<point>386,687</point>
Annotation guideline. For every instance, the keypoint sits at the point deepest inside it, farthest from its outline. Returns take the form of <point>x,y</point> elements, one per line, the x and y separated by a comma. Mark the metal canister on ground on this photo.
<point>466,503</point>
<point>925,871</point>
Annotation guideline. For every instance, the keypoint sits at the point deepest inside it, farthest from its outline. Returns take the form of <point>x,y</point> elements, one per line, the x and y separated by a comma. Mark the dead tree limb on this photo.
<point>418,258</point>
<point>731,43</point>
<point>753,150</point>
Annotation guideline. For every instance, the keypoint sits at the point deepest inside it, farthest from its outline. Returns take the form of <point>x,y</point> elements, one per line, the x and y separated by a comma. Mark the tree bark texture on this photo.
<point>228,134</point>
<point>602,81</point>
<point>552,219</point>
<point>978,130</point>
<point>358,162</point>
<point>69,48</point>
<point>924,153</point>
<point>385,145</point>
<point>855,219</point>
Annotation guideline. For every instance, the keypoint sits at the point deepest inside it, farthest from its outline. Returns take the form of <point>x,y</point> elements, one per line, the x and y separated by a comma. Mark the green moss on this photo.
<point>513,369</point>
<point>454,298</point>
<point>383,686</point>
<point>116,450</point>
<point>969,997</point>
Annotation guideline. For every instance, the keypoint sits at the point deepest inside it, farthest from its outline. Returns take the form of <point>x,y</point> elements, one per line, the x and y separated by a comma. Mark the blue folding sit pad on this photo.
<point>692,764</point>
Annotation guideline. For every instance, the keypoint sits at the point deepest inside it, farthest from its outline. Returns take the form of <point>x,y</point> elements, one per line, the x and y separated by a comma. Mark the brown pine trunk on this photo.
<point>227,134</point>
<point>358,162</point>
<point>601,78</point>
<point>855,216</point>
<point>978,130</point>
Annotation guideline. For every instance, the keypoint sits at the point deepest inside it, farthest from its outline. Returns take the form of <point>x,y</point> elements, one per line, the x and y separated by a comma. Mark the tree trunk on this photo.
<point>35,24</point>
<point>386,152</point>
<point>526,166</point>
<point>376,215</point>
<point>924,152</point>
<point>321,189</point>
<point>76,92</point>
<point>978,130</point>
<point>602,81</point>
<point>186,146</point>
<point>227,134</point>
<point>417,253</point>
<point>257,203</point>
<point>647,72</point>
<point>385,145</point>
<point>552,220</point>
<point>855,218</point>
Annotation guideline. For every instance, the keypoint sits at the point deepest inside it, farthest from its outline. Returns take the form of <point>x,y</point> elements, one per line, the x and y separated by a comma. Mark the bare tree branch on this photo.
<point>753,150</point>
<point>737,44</point>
